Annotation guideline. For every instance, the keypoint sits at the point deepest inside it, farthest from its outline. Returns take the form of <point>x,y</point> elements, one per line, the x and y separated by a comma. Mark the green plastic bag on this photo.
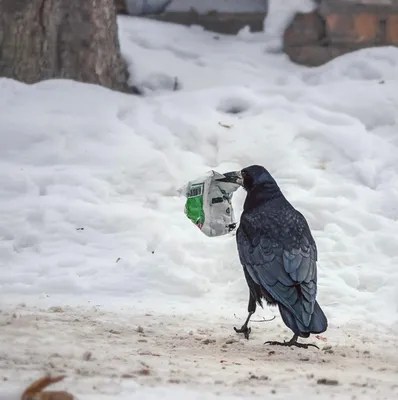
<point>209,206</point>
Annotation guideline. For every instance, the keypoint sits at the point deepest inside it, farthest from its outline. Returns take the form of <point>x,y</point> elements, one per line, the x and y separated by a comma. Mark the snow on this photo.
<point>92,222</point>
<point>280,14</point>
<point>129,355</point>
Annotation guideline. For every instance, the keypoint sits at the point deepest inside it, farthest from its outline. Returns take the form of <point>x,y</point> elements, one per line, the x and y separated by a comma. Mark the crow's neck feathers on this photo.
<point>262,194</point>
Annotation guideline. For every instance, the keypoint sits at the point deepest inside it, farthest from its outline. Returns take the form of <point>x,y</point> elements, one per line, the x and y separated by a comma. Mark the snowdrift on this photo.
<point>89,178</point>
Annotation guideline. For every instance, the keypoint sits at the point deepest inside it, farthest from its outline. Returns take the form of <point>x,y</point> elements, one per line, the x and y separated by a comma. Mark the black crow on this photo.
<point>278,255</point>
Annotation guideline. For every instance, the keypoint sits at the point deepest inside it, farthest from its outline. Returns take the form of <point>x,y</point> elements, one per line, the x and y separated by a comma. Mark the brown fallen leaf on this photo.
<point>35,390</point>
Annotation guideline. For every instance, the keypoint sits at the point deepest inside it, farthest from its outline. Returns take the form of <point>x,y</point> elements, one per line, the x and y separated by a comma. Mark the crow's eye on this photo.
<point>244,173</point>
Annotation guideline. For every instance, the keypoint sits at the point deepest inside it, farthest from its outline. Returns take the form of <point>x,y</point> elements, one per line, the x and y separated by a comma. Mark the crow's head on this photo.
<point>256,175</point>
<point>250,177</point>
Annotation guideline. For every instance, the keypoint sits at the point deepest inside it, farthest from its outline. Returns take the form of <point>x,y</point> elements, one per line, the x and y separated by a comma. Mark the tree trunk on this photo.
<point>67,39</point>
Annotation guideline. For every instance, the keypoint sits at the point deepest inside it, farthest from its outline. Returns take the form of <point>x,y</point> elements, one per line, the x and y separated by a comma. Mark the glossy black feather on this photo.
<point>278,253</point>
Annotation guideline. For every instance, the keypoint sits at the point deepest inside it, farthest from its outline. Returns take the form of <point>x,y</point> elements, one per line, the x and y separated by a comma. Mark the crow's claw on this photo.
<point>292,343</point>
<point>245,330</point>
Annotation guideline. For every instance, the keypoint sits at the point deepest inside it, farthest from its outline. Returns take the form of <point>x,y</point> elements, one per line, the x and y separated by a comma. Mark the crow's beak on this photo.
<point>232,177</point>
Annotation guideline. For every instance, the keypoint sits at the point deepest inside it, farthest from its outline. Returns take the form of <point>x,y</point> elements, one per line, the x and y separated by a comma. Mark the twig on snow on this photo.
<point>262,320</point>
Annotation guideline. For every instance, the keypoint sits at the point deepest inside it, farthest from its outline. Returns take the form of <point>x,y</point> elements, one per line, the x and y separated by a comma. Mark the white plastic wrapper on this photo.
<point>209,205</point>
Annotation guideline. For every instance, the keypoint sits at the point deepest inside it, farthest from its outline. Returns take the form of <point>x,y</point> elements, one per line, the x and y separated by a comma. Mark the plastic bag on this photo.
<point>209,206</point>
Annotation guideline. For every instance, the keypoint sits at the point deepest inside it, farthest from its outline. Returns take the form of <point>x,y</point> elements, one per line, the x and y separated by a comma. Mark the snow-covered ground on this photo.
<point>93,226</point>
<point>131,354</point>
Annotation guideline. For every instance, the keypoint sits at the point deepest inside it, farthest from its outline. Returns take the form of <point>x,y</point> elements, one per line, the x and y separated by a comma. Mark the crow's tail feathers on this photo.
<point>318,322</point>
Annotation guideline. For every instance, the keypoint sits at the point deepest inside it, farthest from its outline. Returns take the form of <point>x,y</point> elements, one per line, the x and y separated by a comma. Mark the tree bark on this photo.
<point>67,39</point>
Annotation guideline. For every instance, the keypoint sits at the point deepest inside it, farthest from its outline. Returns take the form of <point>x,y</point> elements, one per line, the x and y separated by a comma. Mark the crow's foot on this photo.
<point>292,342</point>
<point>245,330</point>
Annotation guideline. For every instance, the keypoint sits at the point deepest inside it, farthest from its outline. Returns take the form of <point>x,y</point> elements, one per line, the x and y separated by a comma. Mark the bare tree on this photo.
<point>70,39</point>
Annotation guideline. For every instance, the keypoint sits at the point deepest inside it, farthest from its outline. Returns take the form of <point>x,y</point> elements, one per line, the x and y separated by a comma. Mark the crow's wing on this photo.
<point>282,259</point>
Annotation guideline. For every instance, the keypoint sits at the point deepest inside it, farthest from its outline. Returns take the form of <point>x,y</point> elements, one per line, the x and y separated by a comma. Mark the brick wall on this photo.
<point>337,27</point>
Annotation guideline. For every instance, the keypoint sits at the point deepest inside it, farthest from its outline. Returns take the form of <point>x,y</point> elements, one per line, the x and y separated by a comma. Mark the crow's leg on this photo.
<point>251,309</point>
<point>244,328</point>
<point>292,342</point>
